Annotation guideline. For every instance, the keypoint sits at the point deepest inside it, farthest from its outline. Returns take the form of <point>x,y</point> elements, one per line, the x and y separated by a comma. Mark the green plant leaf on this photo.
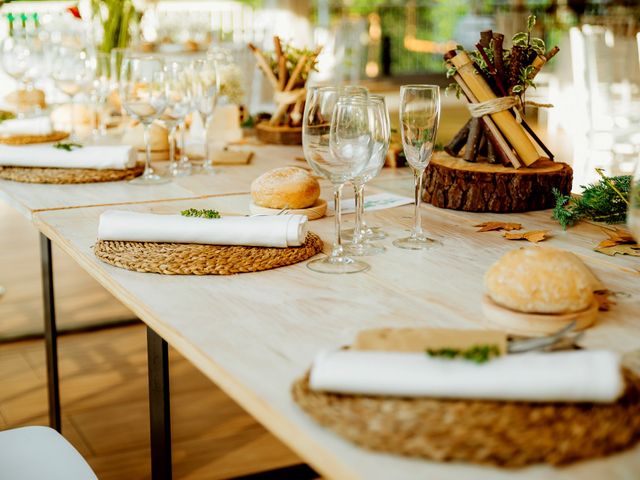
<point>520,39</point>
<point>538,46</point>
<point>531,22</point>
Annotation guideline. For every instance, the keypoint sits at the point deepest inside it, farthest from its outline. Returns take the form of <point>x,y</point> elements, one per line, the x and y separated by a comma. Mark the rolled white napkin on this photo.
<point>589,376</point>
<point>26,126</point>
<point>99,157</point>
<point>264,231</point>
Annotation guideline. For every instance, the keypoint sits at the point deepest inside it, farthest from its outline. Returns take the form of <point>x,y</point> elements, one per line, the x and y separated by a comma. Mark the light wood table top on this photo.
<point>253,334</point>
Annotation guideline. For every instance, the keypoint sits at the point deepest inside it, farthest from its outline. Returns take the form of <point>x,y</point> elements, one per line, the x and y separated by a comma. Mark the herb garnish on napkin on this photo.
<point>477,353</point>
<point>67,146</point>
<point>204,213</point>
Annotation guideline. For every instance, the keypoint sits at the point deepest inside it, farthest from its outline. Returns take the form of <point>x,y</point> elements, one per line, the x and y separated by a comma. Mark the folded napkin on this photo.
<point>589,376</point>
<point>264,231</point>
<point>99,157</point>
<point>26,126</point>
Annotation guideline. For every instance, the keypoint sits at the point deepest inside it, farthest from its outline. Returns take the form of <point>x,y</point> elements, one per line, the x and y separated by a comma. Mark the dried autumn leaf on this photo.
<point>491,226</point>
<point>617,236</point>
<point>603,297</point>
<point>534,236</point>
<point>623,249</point>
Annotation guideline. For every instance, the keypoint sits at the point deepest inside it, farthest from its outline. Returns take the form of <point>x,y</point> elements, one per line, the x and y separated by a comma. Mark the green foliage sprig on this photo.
<point>6,116</point>
<point>67,146</point>
<point>204,213</point>
<point>605,201</point>
<point>477,353</point>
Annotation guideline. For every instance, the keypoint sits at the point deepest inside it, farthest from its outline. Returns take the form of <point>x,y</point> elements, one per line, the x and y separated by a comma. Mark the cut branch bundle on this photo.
<point>287,69</point>
<point>494,81</point>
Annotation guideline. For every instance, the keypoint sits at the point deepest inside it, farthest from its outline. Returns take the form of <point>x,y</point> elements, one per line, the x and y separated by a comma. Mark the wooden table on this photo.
<point>253,334</point>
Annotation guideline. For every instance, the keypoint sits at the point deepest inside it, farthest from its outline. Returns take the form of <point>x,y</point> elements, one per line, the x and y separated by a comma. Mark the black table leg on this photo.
<point>159,406</point>
<point>50,333</point>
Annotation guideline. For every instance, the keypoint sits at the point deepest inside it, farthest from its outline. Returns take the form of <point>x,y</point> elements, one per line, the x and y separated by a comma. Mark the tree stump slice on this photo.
<point>485,187</point>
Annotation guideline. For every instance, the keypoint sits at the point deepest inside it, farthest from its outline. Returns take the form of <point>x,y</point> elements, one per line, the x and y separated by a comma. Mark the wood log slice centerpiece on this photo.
<point>496,162</point>
<point>454,183</point>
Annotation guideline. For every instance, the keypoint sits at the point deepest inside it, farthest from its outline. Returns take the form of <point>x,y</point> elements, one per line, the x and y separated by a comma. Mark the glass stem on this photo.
<point>147,142</point>
<point>183,142</point>
<point>417,214</point>
<point>337,197</point>
<point>172,148</point>
<point>207,154</point>
<point>72,117</point>
<point>358,231</point>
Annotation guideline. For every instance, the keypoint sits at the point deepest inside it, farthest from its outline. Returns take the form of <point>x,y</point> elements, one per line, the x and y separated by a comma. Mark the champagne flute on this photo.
<point>205,88</point>
<point>633,214</point>
<point>143,91</point>
<point>73,71</point>
<point>419,119</point>
<point>337,143</point>
<point>178,105</point>
<point>381,134</point>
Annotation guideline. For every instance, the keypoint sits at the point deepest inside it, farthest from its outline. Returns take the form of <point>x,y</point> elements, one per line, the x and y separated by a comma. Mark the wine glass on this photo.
<point>16,61</point>
<point>73,70</point>
<point>143,91</point>
<point>633,214</point>
<point>205,88</point>
<point>178,105</point>
<point>100,90</point>
<point>419,119</point>
<point>361,235</point>
<point>336,139</point>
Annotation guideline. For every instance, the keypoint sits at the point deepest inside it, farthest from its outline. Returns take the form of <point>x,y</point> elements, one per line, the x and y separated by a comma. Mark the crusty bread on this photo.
<point>27,98</point>
<point>285,187</point>
<point>134,135</point>
<point>541,280</point>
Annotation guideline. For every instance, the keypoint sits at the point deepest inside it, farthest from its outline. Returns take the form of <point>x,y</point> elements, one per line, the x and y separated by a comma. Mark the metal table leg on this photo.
<point>159,406</point>
<point>50,333</point>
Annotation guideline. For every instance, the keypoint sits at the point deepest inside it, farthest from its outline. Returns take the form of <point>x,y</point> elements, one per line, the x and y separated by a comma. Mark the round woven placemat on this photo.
<point>196,259</point>
<point>507,434</point>
<point>68,175</point>
<point>29,139</point>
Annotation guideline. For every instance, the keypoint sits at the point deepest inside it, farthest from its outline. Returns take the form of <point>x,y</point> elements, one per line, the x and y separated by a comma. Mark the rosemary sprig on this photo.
<point>6,116</point>
<point>477,353</point>
<point>67,146</point>
<point>204,213</point>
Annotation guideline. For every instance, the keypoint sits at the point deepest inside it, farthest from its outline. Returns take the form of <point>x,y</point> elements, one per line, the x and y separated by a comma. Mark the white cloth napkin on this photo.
<point>592,376</point>
<point>26,126</point>
<point>99,157</point>
<point>263,231</point>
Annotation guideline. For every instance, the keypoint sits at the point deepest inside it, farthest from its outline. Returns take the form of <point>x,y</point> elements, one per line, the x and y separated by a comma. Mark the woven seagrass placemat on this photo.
<point>68,175</point>
<point>30,139</point>
<point>195,259</point>
<point>507,434</point>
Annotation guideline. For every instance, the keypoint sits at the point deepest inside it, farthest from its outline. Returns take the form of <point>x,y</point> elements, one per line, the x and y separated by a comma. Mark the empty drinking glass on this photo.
<point>178,106</point>
<point>205,88</point>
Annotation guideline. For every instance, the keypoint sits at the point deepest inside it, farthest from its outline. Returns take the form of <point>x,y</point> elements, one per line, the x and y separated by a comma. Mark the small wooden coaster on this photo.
<point>314,212</point>
<point>506,434</point>
<point>196,259</point>
<point>535,324</point>
<point>31,139</point>
<point>62,176</point>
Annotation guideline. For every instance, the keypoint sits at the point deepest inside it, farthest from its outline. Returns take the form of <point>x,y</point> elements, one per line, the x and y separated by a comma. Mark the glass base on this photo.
<point>340,264</point>
<point>180,170</point>
<point>419,242</point>
<point>364,249</point>
<point>150,179</point>
<point>370,233</point>
<point>206,170</point>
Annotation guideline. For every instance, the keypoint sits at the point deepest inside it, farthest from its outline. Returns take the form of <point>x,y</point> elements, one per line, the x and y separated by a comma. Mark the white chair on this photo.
<point>40,453</point>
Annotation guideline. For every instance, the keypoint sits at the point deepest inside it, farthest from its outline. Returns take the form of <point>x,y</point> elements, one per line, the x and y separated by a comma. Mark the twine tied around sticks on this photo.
<point>501,104</point>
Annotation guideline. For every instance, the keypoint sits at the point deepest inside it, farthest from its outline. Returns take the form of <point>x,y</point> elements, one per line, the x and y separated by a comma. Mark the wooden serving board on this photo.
<point>454,183</point>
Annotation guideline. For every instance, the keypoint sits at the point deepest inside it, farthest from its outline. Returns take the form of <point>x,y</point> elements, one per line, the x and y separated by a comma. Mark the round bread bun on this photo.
<point>285,187</point>
<point>134,135</point>
<point>27,98</point>
<point>541,280</point>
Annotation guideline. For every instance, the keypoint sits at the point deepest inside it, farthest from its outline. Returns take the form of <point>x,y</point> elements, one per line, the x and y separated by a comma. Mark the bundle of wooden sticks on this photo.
<point>287,69</point>
<point>494,81</point>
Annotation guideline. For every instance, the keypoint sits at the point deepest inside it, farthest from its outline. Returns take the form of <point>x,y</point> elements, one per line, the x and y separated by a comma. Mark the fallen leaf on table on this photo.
<point>603,299</point>
<point>620,242</point>
<point>534,236</point>
<point>492,226</point>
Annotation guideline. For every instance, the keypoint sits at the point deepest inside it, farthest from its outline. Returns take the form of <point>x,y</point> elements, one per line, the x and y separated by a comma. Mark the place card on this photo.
<point>379,201</point>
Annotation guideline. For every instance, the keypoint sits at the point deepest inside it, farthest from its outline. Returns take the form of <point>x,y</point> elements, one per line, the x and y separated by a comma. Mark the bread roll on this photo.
<point>27,98</point>
<point>134,135</point>
<point>285,187</point>
<point>82,114</point>
<point>541,280</point>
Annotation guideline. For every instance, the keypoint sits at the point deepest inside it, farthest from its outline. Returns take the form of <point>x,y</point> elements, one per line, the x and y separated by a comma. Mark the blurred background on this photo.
<point>593,83</point>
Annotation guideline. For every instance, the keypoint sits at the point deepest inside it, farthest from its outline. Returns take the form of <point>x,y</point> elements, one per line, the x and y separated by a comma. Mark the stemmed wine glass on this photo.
<point>633,214</point>
<point>178,105</point>
<point>143,91</point>
<point>73,70</point>
<point>336,138</point>
<point>16,61</point>
<point>419,119</point>
<point>205,85</point>
<point>381,133</point>
<point>100,92</point>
